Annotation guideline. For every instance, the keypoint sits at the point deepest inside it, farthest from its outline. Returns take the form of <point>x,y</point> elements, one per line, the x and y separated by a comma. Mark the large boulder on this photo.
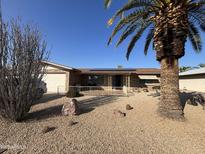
<point>71,108</point>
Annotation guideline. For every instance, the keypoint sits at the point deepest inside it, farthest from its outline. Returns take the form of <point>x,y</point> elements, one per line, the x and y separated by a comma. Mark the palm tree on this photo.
<point>168,24</point>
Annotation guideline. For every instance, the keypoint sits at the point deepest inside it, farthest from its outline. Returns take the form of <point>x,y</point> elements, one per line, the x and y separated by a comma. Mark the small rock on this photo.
<point>142,130</point>
<point>71,108</point>
<point>71,123</point>
<point>146,90</point>
<point>48,129</point>
<point>119,113</point>
<point>128,107</point>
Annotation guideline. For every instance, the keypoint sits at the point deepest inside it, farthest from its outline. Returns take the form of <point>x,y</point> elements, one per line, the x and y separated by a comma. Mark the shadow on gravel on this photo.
<point>44,113</point>
<point>48,97</point>
<point>184,97</point>
<point>191,98</point>
<point>86,106</point>
<point>97,101</point>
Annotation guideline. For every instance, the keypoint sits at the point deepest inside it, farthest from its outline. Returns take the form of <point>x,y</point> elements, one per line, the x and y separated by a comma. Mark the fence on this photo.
<point>99,90</point>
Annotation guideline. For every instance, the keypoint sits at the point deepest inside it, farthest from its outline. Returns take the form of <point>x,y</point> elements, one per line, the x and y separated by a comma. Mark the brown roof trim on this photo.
<point>140,71</point>
<point>148,71</point>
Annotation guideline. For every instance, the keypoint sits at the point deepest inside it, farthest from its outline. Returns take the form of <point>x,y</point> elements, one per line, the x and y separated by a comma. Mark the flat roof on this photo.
<point>148,71</point>
<point>140,71</point>
<point>193,72</point>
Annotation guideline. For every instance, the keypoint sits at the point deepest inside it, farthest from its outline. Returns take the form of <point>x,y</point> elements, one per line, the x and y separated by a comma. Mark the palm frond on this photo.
<point>135,38</point>
<point>140,14</point>
<point>131,5</point>
<point>195,38</point>
<point>128,31</point>
<point>148,40</point>
<point>132,18</point>
<point>107,3</point>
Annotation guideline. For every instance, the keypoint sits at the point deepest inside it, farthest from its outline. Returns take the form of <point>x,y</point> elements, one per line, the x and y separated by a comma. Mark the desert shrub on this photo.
<point>73,92</point>
<point>21,70</point>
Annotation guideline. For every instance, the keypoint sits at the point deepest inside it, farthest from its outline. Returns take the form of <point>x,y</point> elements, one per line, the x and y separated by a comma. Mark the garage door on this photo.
<point>56,83</point>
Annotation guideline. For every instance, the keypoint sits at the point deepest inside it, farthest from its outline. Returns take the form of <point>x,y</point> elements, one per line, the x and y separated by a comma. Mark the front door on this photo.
<point>117,82</point>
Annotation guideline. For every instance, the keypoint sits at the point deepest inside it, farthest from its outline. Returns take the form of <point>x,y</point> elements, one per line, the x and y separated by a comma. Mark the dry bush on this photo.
<point>21,70</point>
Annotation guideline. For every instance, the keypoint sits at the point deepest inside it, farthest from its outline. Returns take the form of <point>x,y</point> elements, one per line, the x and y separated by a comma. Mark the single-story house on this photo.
<point>60,78</point>
<point>193,80</point>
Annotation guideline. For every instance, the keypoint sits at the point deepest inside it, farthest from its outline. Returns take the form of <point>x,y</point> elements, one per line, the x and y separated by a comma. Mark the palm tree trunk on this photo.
<point>170,105</point>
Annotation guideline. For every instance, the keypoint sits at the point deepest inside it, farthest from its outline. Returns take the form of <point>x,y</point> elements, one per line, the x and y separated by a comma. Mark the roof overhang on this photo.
<point>148,77</point>
<point>59,66</point>
<point>147,71</point>
<point>199,71</point>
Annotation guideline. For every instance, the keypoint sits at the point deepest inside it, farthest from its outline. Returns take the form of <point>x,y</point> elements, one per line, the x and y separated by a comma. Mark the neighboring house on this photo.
<point>60,78</point>
<point>193,80</point>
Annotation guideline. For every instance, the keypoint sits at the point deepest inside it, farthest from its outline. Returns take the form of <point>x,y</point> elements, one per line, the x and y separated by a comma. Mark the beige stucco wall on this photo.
<point>51,68</point>
<point>193,83</point>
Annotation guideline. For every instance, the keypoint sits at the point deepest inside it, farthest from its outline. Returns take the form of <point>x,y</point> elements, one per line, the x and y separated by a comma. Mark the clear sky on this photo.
<point>77,33</point>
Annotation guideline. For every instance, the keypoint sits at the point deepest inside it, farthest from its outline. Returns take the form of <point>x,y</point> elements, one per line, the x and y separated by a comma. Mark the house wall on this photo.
<point>130,82</point>
<point>134,80</point>
<point>193,82</point>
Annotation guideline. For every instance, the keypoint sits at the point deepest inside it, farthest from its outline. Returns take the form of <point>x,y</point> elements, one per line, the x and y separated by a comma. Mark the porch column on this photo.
<point>67,82</point>
<point>109,82</point>
<point>128,82</point>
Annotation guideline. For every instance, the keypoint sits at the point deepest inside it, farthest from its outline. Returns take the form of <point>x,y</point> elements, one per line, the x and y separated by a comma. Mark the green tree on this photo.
<point>169,24</point>
<point>201,65</point>
<point>185,68</point>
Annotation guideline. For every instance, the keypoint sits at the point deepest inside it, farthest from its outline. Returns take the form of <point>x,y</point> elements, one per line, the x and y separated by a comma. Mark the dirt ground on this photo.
<point>97,130</point>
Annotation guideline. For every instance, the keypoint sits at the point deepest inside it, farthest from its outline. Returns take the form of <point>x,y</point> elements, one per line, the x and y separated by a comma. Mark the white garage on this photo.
<point>56,77</point>
<point>56,83</point>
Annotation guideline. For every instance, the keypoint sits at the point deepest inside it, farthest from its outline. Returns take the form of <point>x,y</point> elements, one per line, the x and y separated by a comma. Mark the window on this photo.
<point>95,80</point>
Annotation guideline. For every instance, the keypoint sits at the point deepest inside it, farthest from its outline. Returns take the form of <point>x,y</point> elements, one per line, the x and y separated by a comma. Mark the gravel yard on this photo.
<point>98,130</point>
